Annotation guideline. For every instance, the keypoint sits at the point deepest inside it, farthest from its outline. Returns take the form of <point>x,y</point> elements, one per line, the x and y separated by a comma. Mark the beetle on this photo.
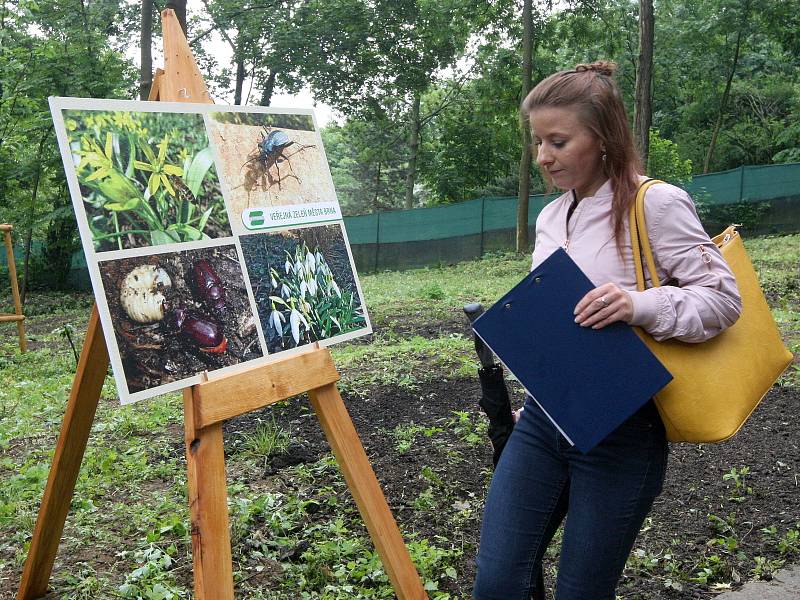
<point>270,150</point>
<point>208,286</point>
<point>199,330</point>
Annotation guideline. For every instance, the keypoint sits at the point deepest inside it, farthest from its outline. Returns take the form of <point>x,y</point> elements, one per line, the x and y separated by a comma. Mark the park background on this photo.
<point>424,129</point>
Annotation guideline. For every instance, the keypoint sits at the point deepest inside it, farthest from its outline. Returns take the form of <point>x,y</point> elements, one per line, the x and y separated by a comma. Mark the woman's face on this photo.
<point>567,151</point>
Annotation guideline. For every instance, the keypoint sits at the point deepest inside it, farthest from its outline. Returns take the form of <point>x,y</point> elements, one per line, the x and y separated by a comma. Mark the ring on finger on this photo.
<point>603,301</point>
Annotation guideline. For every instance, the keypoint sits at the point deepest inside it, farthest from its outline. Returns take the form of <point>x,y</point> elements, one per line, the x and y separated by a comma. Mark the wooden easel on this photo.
<point>12,275</point>
<point>206,407</point>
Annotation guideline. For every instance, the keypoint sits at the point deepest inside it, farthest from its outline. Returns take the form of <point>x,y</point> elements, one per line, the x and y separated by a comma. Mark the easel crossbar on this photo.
<point>235,394</point>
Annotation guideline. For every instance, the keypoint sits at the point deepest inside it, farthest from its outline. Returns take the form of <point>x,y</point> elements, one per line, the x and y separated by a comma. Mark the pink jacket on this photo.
<point>698,298</point>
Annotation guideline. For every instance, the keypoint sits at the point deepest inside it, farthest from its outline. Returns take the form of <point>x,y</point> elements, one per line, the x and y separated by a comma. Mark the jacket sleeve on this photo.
<point>698,297</point>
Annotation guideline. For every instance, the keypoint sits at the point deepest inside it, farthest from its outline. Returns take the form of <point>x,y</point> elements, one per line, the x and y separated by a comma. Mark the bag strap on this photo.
<point>640,240</point>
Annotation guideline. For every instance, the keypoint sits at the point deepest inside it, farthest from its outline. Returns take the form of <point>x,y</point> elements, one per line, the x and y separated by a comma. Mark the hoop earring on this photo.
<point>603,158</point>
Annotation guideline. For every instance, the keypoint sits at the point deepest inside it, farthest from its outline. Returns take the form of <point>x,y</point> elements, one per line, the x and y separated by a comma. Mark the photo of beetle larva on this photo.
<point>269,160</point>
<point>179,313</point>
<point>304,285</point>
<point>146,178</point>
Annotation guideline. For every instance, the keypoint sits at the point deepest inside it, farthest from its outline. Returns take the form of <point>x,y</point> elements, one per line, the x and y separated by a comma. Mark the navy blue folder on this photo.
<point>588,381</point>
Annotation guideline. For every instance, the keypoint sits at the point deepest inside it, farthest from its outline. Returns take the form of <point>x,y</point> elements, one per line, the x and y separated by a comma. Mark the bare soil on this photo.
<point>694,488</point>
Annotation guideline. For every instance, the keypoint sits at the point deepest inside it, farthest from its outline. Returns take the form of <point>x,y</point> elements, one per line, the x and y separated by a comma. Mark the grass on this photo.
<point>298,535</point>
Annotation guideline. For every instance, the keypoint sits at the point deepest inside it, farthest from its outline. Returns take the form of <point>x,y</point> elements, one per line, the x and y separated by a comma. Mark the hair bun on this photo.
<point>604,67</point>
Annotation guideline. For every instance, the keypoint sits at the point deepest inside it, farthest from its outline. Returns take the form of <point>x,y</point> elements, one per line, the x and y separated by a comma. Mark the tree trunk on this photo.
<point>525,131</point>
<point>377,194</point>
<point>642,113</point>
<point>413,148</point>
<point>724,102</point>
<point>145,39</point>
<point>237,95</point>
<point>26,261</point>
<point>179,6</point>
<point>269,87</point>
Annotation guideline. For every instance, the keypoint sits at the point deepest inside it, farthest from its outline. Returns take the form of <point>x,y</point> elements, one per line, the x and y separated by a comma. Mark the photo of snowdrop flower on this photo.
<point>304,286</point>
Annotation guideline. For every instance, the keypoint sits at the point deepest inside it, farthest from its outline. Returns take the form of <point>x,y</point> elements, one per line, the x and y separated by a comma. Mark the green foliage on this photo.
<point>51,47</point>
<point>664,161</point>
<point>268,439</point>
<point>146,177</point>
<point>153,580</point>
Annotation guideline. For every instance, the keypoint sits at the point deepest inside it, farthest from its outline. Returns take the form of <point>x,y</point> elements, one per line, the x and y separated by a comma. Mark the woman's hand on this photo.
<point>604,305</point>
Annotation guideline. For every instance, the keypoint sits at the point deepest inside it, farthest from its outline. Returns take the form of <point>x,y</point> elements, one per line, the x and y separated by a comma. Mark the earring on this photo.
<point>603,158</point>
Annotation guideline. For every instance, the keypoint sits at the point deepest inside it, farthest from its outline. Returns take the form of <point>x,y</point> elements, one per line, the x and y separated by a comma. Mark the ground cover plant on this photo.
<point>729,512</point>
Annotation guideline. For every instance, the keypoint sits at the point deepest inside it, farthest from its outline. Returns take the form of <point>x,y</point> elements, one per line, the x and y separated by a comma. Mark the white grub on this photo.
<point>140,295</point>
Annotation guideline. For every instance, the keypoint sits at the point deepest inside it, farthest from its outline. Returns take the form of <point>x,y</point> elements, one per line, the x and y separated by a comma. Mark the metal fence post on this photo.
<point>741,183</point>
<point>377,238</point>
<point>483,208</point>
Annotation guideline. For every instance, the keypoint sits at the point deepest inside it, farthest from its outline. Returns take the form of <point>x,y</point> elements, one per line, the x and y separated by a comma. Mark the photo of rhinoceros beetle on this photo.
<point>177,314</point>
<point>207,285</point>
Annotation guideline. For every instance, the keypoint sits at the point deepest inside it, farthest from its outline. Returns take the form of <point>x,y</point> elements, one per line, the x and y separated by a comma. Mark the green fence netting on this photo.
<point>424,236</point>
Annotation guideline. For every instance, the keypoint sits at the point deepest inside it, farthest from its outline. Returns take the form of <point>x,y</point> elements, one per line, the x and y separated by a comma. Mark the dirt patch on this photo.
<point>680,527</point>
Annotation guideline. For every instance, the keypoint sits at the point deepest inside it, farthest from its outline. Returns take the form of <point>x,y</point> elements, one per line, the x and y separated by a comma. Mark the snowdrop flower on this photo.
<point>311,263</point>
<point>288,266</point>
<point>285,292</point>
<point>276,318</point>
<point>312,287</point>
<point>295,318</point>
<point>274,283</point>
<point>303,289</point>
<point>335,288</point>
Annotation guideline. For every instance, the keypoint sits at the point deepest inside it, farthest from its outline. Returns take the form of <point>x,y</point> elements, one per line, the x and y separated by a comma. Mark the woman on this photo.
<point>584,145</point>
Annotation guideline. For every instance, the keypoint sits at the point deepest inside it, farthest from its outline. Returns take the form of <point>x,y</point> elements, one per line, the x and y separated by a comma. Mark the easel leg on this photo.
<point>208,507</point>
<point>366,490</point>
<point>77,423</point>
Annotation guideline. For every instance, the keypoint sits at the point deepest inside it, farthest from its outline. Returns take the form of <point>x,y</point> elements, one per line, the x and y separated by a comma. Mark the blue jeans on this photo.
<point>605,494</point>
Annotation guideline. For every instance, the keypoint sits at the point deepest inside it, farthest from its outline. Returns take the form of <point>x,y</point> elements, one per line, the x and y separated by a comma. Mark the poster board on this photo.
<point>213,237</point>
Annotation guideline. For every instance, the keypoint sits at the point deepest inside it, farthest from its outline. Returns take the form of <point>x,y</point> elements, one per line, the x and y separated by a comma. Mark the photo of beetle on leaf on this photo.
<point>179,313</point>
<point>269,159</point>
<point>304,285</point>
<point>146,178</point>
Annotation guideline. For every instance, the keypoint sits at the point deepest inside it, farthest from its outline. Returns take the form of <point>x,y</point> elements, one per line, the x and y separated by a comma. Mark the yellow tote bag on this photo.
<point>718,383</point>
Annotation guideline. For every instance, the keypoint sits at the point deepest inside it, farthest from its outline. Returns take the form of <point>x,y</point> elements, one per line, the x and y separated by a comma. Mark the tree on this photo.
<point>642,113</point>
<point>368,58</point>
<point>525,130</point>
<point>53,47</point>
<point>742,24</point>
<point>145,45</point>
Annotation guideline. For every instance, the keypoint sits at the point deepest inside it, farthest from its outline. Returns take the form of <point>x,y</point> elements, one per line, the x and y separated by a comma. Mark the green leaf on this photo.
<point>190,233</point>
<point>185,211</point>
<point>159,237</point>
<point>196,172</point>
<point>99,174</point>
<point>118,206</point>
<point>204,218</point>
